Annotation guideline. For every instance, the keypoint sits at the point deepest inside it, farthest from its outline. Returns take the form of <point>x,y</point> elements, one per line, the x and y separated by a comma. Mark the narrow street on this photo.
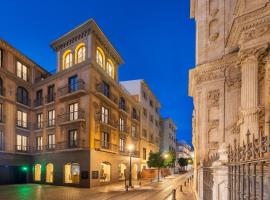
<point>155,191</point>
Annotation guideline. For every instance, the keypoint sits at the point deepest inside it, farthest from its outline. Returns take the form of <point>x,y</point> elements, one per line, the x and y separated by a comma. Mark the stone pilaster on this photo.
<point>249,95</point>
<point>267,96</point>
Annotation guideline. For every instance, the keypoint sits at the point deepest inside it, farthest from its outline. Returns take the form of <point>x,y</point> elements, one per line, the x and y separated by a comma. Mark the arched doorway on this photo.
<point>72,173</point>
<point>122,172</point>
<point>37,172</point>
<point>49,173</point>
<point>105,172</point>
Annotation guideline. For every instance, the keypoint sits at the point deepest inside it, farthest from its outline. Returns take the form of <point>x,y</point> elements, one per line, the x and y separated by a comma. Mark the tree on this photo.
<point>183,162</point>
<point>170,159</point>
<point>156,160</point>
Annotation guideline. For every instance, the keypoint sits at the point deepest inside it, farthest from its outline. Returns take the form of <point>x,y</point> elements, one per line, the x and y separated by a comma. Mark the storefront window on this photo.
<point>72,173</point>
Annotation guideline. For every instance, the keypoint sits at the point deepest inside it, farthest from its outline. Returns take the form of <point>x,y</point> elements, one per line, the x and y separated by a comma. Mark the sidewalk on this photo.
<point>187,193</point>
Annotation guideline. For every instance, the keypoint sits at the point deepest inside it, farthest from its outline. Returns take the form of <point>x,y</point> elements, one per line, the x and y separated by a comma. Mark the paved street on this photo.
<point>154,191</point>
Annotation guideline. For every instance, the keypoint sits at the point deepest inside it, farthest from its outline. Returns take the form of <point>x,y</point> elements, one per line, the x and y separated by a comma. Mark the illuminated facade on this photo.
<point>73,127</point>
<point>167,135</point>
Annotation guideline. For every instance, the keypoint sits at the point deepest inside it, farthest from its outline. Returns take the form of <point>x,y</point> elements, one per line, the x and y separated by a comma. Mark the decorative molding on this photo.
<point>213,98</point>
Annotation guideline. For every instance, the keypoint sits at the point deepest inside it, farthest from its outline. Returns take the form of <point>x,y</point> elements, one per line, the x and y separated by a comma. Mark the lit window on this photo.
<point>51,118</point>
<point>72,138</point>
<point>39,143</point>
<point>22,143</point>
<point>73,111</point>
<point>22,71</point>
<point>133,131</point>
<point>110,68</point>
<point>80,53</point>
<point>72,173</point>
<point>67,59</point>
<point>105,140</point>
<point>105,172</point>
<point>100,57</point>
<point>22,119</point>
<point>37,175</point>
<point>51,141</point>
<point>39,121</point>
<point>49,173</point>
<point>121,125</point>
<point>104,115</point>
<point>121,144</point>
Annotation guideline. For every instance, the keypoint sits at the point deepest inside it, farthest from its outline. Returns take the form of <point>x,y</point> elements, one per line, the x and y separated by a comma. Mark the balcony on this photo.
<point>22,148</point>
<point>135,116</point>
<point>38,102</point>
<point>72,91</point>
<point>124,130</point>
<point>104,93</point>
<point>39,126</point>
<point>23,124</point>
<point>125,152</point>
<point>50,123</point>
<point>107,121</point>
<point>50,98</point>
<point>72,117</point>
<point>124,107</point>
<point>105,146</point>
<point>65,145</point>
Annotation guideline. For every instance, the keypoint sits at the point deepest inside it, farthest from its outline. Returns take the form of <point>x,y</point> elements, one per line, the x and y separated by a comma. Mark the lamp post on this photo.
<point>130,149</point>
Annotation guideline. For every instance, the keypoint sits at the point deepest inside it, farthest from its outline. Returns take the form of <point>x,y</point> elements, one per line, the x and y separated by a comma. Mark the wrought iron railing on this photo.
<point>71,88</point>
<point>102,89</point>
<point>38,102</point>
<point>72,116</point>
<point>50,98</point>
<point>105,145</point>
<point>249,169</point>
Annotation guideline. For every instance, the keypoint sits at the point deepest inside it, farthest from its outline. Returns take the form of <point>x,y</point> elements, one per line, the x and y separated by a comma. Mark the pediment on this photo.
<point>244,24</point>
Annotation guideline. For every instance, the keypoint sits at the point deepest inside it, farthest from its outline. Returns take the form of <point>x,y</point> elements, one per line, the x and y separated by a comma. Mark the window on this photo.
<point>51,141</point>
<point>51,118</point>
<point>1,87</point>
<point>39,120</point>
<point>67,59</point>
<point>39,143</point>
<point>110,68</point>
<point>73,111</point>
<point>105,140</point>
<point>73,83</point>
<point>144,153</point>
<point>134,114</point>
<point>22,95</point>
<point>133,131</point>
<point>151,103</point>
<point>145,112</point>
<point>121,125</point>
<point>106,89</point>
<point>80,53</point>
<point>1,113</point>
<point>39,97</point>
<point>37,174</point>
<point>72,173</point>
<point>122,144</point>
<point>122,103</point>
<point>72,138</point>
<point>1,140</point>
<point>152,118</point>
<point>104,115</point>
<point>22,143</point>
<point>22,71</point>
<point>22,119</point>
<point>49,173</point>
<point>100,57</point>
<point>51,95</point>
<point>1,58</point>
<point>144,133</point>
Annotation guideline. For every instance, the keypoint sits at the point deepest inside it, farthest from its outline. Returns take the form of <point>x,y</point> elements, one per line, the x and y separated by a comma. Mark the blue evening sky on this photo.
<point>156,38</point>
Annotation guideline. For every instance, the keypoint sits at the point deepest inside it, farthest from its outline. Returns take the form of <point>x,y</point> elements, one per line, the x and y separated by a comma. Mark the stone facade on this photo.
<point>229,85</point>
<point>72,127</point>
<point>167,135</point>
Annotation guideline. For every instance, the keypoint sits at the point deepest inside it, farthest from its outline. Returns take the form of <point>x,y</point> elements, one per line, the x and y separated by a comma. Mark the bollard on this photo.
<point>181,188</point>
<point>126,187</point>
<point>174,194</point>
<point>185,183</point>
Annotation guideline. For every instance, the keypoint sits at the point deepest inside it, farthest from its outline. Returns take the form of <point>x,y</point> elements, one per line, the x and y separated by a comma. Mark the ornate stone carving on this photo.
<point>255,33</point>
<point>213,97</point>
<point>213,7</point>
<point>213,30</point>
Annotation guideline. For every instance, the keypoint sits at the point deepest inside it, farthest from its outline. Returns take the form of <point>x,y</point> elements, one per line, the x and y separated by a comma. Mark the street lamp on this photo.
<point>166,156</point>
<point>131,150</point>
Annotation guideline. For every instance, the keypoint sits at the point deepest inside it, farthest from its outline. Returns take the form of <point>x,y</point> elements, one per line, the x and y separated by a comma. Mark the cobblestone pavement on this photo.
<point>152,191</point>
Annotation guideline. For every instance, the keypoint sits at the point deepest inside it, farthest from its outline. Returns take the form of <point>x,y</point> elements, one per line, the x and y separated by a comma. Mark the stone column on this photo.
<point>267,96</point>
<point>249,96</point>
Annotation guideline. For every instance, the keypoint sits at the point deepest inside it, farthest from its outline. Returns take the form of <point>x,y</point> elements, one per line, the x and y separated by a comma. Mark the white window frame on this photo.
<point>73,111</point>
<point>51,118</point>
<point>22,119</point>
<point>104,115</point>
<point>22,71</point>
<point>51,141</point>
<point>22,143</point>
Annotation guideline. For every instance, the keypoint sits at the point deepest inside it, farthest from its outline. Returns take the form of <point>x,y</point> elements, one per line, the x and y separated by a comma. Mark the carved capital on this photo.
<point>253,55</point>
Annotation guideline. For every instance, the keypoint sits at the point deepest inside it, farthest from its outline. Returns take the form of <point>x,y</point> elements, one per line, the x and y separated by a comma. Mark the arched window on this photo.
<point>22,95</point>
<point>37,174</point>
<point>72,173</point>
<point>49,173</point>
<point>100,57</point>
<point>67,59</point>
<point>110,68</point>
<point>80,54</point>
<point>1,87</point>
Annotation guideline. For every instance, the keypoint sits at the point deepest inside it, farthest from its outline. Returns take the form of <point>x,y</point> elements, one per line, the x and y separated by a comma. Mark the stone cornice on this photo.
<point>253,54</point>
<point>246,22</point>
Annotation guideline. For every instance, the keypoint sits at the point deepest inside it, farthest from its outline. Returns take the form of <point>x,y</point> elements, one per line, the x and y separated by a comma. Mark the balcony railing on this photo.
<point>106,120</point>
<point>126,152</point>
<point>124,129</point>
<point>72,88</point>
<point>123,107</point>
<point>50,123</point>
<point>26,102</point>
<point>50,98</point>
<point>104,145</point>
<point>39,125</point>
<point>23,124</point>
<point>135,116</point>
<point>104,91</point>
<point>38,102</point>
<point>22,148</point>
<point>72,116</point>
